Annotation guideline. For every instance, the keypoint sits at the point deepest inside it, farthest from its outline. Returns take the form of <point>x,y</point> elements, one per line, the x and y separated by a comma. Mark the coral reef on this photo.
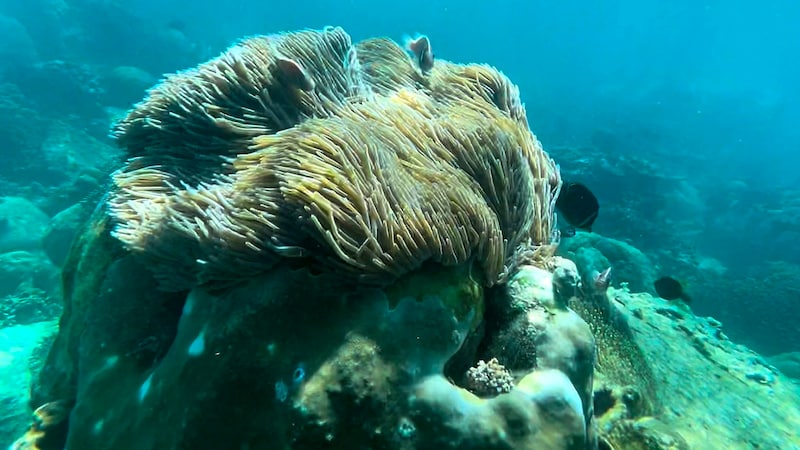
<point>29,283</point>
<point>316,243</point>
<point>57,160</point>
<point>20,131</point>
<point>768,291</point>
<point>332,237</point>
<point>542,411</point>
<point>531,327</point>
<point>64,79</point>
<point>658,366</point>
<point>489,378</point>
<point>367,368</point>
<point>641,200</point>
<point>679,383</point>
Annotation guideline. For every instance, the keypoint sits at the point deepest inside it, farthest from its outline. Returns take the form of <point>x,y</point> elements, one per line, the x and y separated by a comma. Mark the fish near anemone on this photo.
<point>295,73</point>
<point>602,280</point>
<point>578,205</point>
<point>420,47</point>
<point>669,288</point>
<point>50,425</point>
<point>305,145</point>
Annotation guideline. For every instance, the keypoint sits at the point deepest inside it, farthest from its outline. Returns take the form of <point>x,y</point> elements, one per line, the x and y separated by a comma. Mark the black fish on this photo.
<point>578,205</point>
<point>669,288</point>
<point>421,48</point>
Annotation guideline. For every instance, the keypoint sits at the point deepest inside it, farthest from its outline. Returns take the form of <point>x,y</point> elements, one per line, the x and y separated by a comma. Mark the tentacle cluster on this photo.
<point>305,145</point>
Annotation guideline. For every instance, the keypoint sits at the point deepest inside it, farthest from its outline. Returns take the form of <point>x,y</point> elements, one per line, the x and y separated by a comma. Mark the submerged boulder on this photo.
<point>315,244</point>
<point>22,225</point>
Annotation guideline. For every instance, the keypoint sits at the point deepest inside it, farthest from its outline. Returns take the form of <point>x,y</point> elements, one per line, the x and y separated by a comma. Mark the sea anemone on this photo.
<point>302,145</point>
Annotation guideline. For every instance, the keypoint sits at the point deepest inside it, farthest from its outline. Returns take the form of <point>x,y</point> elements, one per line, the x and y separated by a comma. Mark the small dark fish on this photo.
<point>421,48</point>
<point>669,288</point>
<point>578,205</point>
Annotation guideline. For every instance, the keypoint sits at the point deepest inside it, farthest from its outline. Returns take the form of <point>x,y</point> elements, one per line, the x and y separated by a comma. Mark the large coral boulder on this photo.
<point>307,248</point>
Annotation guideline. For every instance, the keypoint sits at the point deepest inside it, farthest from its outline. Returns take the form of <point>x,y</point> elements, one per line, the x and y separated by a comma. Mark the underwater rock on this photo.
<point>291,359</point>
<point>593,252</point>
<point>22,224</point>
<point>543,411</point>
<point>693,388</point>
<point>61,232</point>
<point>123,85</point>
<point>534,329</point>
<point>21,268</point>
<point>289,346</point>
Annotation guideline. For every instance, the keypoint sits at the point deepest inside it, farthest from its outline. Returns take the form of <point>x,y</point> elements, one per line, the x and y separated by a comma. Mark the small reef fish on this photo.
<point>602,280</point>
<point>421,48</point>
<point>295,74</point>
<point>669,288</point>
<point>578,205</point>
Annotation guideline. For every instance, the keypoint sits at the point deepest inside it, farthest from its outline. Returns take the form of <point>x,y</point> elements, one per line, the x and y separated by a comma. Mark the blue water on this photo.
<point>681,115</point>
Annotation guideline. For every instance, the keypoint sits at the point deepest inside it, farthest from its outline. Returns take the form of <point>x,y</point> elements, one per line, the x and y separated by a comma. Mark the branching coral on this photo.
<point>304,145</point>
<point>489,378</point>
